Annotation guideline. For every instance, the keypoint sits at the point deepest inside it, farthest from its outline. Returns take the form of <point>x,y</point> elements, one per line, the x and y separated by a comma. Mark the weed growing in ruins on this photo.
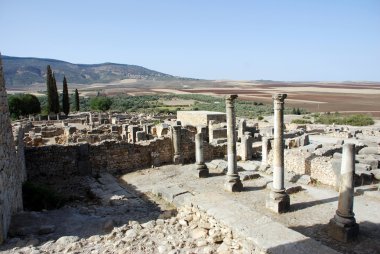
<point>301,121</point>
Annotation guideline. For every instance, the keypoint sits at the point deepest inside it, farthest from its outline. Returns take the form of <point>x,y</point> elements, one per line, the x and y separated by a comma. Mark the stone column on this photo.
<point>278,200</point>
<point>202,170</point>
<point>343,226</point>
<point>246,146</point>
<point>233,182</point>
<point>90,120</point>
<point>241,129</point>
<point>176,135</point>
<point>264,152</point>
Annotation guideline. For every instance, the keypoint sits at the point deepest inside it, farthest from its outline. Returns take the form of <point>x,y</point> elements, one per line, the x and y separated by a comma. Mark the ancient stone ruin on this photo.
<point>201,182</point>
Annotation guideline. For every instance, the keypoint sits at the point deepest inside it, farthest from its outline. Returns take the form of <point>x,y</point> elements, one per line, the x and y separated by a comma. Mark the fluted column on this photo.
<point>343,226</point>
<point>176,135</point>
<point>278,199</point>
<point>202,170</point>
<point>233,182</point>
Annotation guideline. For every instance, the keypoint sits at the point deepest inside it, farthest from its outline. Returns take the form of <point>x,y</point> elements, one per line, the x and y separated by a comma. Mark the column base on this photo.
<point>177,159</point>
<point>202,171</point>
<point>278,202</point>
<point>343,229</point>
<point>233,183</point>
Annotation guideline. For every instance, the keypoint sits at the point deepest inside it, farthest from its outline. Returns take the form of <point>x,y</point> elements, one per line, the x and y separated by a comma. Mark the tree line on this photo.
<point>29,104</point>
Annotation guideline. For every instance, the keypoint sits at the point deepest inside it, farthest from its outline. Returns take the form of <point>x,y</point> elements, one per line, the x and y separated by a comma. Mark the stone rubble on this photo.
<point>190,231</point>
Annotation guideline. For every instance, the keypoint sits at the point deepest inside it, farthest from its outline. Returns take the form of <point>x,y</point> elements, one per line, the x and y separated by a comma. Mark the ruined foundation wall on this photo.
<point>12,172</point>
<point>122,157</point>
<point>59,163</point>
<point>318,167</point>
<point>188,148</point>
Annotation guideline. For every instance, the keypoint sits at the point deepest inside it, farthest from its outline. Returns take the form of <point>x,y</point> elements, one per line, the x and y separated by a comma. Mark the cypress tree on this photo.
<point>65,98</point>
<point>55,96</point>
<point>76,100</point>
<point>49,81</point>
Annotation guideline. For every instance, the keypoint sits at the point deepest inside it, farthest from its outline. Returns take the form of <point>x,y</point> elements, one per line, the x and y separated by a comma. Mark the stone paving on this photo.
<point>303,229</point>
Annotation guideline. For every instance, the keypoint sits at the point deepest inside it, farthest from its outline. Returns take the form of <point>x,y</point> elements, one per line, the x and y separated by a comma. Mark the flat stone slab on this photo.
<point>168,193</point>
<point>248,175</point>
<point>260,229</point>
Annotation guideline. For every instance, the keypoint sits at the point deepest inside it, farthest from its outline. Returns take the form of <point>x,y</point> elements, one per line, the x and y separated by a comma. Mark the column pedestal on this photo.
<point>278,201</point>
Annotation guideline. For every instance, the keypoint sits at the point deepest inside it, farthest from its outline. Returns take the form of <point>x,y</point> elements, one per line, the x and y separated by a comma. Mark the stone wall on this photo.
<point>199,118</point>
<point>12,171</point>
<point>56,164</point>
<point>306,163</point>
<point>122,157</point>
<point>188,148</point>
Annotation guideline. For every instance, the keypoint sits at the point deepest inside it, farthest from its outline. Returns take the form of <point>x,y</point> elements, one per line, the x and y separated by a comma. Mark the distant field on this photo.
<point>313,96</point>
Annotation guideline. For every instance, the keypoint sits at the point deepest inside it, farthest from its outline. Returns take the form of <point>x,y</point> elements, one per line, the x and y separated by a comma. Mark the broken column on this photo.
<point>241,129</point>
<point>343,226</point>
<point>278,200</point>
<point>233,182</point>
<point>202,170</point>
<point>265,146</point>
<point>246,146</point>
<point>176,136</point>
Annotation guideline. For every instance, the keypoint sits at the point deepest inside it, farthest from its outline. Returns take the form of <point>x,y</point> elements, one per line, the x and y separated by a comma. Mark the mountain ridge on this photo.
<point>25,71</point>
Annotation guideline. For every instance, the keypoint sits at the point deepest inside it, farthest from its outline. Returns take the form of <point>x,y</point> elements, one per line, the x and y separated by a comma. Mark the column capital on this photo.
<point>279,97</point>
<point>230,99</point>
<point>278,100</point>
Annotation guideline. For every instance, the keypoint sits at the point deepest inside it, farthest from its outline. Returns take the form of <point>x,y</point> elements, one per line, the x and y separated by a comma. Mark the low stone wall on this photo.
<point>305,163</point>
<point>57,164</point>
<point>188,148</point>
<point>117,157</point>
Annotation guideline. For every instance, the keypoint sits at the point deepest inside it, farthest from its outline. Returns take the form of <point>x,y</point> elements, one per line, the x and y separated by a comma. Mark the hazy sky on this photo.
<point>279,40</point>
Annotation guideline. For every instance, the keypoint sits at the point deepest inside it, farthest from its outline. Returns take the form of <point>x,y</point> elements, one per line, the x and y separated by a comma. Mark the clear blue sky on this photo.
<point>280,40</point>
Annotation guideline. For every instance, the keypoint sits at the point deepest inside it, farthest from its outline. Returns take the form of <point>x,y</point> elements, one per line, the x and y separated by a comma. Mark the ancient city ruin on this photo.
<point>198,182</point>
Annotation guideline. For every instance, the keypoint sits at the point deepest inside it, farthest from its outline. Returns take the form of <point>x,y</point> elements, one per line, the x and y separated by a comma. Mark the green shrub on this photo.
<point>301,121</point>
<point>100,103</point>
<point>336,118</point>
<point>23,105</point>
<point>260,118</point>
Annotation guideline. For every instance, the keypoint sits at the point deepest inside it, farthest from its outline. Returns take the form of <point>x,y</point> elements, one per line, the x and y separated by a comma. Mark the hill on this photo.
<point>24,71</point>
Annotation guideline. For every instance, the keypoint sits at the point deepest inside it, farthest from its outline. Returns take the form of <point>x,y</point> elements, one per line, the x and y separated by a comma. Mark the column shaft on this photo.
<point>233,182</point>
<point>202,170</point>
<point>176,135</point>
<point>278,200</point>
<point>343,226</point>
<point>278,145</point>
